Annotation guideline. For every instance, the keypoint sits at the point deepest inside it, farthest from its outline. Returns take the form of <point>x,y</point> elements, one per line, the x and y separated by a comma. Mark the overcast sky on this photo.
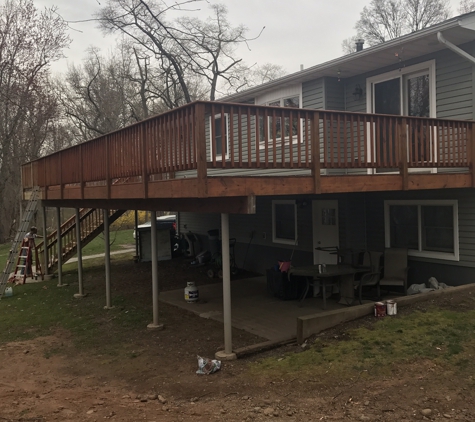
<point>298,32</point>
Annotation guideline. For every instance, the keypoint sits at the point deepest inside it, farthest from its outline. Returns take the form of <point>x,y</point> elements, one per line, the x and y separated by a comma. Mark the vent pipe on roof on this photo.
<point>359,44</point>
<point>301,67</point>
<point>454,48</point>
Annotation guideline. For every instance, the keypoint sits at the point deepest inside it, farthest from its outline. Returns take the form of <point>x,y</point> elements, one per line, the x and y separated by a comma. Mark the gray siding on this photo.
<point>313,94</point>
<point>454,77</point>
<point>352,103</point>
<point>334,94</point>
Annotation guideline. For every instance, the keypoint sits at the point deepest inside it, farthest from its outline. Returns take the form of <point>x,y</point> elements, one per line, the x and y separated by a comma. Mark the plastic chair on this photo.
<point>395,268</point>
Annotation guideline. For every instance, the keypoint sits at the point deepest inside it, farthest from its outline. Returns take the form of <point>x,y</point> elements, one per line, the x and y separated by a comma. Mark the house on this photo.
<point>371,150</point>
<point>427,76</point>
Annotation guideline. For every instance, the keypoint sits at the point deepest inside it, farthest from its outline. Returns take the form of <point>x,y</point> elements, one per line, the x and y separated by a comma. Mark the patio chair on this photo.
<point>372,260</point>
<point>395,268</point>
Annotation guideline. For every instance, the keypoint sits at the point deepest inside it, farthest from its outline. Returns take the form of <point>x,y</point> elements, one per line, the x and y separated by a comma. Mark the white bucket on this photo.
<point>8,292</point>
<point>391,307</point>
<point>191,292</point>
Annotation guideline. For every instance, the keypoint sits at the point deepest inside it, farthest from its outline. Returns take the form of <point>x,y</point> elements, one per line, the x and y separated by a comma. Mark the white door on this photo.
<point>325,230</point>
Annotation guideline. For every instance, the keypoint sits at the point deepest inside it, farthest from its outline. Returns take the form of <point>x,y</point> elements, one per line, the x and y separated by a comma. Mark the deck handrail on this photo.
<point>211,135</point>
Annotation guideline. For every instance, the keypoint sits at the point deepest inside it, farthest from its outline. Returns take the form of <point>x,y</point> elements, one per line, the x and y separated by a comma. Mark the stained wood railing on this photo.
<point>192,139</point>
<point>91,225</point>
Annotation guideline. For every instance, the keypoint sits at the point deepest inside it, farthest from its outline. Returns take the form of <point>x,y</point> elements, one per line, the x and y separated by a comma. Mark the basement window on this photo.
<point>428,229</point>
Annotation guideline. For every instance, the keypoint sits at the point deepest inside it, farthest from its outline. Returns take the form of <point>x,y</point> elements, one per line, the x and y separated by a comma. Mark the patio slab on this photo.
<point>253,309</point>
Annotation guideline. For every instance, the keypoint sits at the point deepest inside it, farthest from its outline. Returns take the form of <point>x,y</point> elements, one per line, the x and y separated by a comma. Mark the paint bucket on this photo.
<point>379,309</point>
<point>191,292</point>
<point>391,307</point>
<point>8,292</point>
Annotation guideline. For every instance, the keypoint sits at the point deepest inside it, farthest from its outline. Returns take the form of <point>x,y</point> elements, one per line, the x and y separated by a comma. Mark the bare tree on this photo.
<point>265,73</point>
<point>466,6</point>
<point>29,42</point>
<point>349,45</point>
<point>193,56</point>
<point>383,20</point>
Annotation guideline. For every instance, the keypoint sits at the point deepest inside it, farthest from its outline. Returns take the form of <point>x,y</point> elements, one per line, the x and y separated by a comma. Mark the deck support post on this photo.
<point>79,253</point>
<point>107,258</point>
<point>59,247</point>
<point>315,143</point>
<point>403,166</point>
<point>227,354</point>
<point>153,228</point>
<point>200,142</point>
<point>45,241</point>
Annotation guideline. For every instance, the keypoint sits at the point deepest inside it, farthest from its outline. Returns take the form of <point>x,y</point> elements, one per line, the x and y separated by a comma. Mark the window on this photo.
<point>288,97</point>
<point>409,91</point>
<point>427,228</point>
<point>284,222</point>
<point>216,136</point>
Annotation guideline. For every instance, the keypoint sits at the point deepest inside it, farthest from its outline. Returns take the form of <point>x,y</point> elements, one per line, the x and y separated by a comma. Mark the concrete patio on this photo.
<point>254,309</point>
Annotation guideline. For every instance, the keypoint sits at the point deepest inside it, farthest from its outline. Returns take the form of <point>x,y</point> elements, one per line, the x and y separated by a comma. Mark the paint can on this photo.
<point>379,309</point>
<point>8,292</point>
<point>391,307</point>
<point>191,292</point>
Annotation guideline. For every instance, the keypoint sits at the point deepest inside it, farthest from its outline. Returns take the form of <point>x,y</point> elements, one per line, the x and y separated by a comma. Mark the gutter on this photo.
<point>454,48</point>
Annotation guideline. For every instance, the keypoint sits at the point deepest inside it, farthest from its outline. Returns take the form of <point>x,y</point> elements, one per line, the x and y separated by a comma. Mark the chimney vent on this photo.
<point>359,44</point>
<point>301,67</point>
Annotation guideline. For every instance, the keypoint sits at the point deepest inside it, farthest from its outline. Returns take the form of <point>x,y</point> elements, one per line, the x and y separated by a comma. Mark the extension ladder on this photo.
<point>22,230</point>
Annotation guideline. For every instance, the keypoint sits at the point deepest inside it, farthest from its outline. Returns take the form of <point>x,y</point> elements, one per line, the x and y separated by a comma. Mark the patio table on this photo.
<point>342,275</point>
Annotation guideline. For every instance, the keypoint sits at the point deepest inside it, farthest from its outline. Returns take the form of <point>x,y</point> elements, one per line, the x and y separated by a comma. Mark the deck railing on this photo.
<point>205,135</point>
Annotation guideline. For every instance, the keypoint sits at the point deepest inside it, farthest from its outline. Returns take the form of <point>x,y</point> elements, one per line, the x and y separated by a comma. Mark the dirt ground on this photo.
<point>160,383</point>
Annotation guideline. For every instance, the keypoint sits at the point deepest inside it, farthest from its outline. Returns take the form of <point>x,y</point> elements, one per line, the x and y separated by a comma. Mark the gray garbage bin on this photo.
<point>213,239</point>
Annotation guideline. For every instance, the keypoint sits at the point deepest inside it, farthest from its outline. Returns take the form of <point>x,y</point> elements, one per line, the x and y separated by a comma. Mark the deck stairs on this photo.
<point>91,225</point>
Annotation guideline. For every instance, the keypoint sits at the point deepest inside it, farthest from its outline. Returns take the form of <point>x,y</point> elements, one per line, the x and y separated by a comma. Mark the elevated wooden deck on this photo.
<point>180,160</point>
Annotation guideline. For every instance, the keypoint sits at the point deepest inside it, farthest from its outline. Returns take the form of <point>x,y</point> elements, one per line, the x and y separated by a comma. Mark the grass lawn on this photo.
<point>120,239</point>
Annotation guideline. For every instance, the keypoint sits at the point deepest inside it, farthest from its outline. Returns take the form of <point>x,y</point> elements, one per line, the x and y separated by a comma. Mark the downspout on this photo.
<point>454,48</point>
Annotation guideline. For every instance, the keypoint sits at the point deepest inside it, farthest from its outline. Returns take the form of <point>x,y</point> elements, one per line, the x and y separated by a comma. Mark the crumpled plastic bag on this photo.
<point>207,366</point>
<point>418,288</point>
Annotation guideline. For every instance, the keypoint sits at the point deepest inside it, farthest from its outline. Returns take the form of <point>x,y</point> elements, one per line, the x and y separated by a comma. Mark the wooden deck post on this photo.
<point>402,138</point>
<point>200,145</point>
<point>81,171</point>
<point>143,134</point>
<point>315,142</point>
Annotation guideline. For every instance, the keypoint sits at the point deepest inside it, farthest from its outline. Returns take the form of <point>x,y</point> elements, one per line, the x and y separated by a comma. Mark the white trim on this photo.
<point>211,143</point>
<point>280,95</point>
<point>401,73</point>
<point>455,256</point>
<point>275,239</point>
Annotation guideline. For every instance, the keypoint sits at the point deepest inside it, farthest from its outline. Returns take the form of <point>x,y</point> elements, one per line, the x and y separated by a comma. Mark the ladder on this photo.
<point>25,261</point>
<point>22,230</point>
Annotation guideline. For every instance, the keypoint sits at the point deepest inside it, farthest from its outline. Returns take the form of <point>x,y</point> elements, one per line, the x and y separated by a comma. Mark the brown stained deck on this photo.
<point>176,158</point>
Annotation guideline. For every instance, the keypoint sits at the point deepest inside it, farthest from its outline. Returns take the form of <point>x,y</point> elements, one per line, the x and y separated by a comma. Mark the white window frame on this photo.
<point>402,74</point>
<point>276,239</point>
<point>211,137</point>
<point>448,256</point>
<point>280,95</point>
